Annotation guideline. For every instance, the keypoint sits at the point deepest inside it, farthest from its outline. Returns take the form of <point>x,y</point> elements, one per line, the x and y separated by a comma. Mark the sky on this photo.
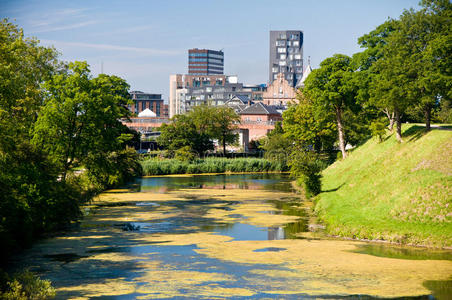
<point>144,41</point>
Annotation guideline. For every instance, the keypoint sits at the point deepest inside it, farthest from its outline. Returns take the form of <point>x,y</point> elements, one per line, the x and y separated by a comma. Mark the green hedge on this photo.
<point>210,165</point>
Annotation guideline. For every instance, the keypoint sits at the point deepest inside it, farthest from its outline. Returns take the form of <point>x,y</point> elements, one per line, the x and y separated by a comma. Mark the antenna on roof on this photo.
<point>101,67</point>
<point>309,60</point>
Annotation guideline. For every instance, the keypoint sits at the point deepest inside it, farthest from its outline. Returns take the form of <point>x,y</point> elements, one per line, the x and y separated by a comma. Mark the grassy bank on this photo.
<point>391,191</point>
<point>209,165</point>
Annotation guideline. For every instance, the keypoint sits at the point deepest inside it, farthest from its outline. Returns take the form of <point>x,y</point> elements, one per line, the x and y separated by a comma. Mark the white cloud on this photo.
<point>147,51</point>
<point>49,28</point>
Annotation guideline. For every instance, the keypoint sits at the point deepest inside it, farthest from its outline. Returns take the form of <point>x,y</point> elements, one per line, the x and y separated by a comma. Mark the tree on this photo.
<point>183,132</point>
<point>413,72</point>
<point>199,127</point>
<point>276,145</point>
<point>307,127</point>
<point>80,120</point>
<point>374,43</point>
<point>224,126</point>
<point>332,90</point>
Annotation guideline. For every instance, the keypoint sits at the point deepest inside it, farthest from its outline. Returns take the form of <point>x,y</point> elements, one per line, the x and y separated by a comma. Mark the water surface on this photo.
<point>224,236</point>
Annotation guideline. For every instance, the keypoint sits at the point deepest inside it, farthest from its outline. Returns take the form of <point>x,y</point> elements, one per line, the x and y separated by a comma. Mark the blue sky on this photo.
<point>146,41</point>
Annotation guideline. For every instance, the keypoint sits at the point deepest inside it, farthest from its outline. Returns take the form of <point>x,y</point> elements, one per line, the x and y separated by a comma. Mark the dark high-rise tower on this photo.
<point>205,62</point>
<point>286,55</point>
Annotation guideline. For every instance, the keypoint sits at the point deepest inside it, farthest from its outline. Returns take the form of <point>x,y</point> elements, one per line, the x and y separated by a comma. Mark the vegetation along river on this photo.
<point>232,236</point>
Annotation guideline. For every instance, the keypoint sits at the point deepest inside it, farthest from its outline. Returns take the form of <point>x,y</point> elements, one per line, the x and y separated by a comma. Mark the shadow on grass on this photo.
<point>414,133</point>
<point>333,190</point>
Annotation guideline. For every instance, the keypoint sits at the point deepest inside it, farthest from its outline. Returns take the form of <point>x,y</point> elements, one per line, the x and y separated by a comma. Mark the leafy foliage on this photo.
<point>199,128</point>
<point>54,117</point>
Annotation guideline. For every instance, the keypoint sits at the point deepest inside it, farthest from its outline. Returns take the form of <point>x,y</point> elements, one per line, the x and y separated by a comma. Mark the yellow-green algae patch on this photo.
<point>318,267</point>
<point>109,287</point>
<point>198,238</point>
<point>321,267</point>
<point>168,283</point>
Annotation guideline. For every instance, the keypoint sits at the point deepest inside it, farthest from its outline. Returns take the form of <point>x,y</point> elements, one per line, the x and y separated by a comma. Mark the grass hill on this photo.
<point>390,191</point>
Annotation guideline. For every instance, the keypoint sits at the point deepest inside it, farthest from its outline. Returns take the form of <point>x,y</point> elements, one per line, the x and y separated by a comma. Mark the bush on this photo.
<point>26,285</point>
<point>378,129</point>
<point>306,165</point>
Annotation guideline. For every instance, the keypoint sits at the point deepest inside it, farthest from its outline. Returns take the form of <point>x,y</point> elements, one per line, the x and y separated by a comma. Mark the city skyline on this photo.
<point>148,41</point>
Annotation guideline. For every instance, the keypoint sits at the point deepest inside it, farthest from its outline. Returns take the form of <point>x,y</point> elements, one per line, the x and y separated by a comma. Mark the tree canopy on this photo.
<point>199,128</point>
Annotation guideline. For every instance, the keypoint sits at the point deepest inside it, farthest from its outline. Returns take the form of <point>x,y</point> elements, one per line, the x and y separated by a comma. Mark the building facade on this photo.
<point>142,101</point>
<point>187,91</point>
<point>286,55</point>
<point>279,93</point>
<point>205,62</point>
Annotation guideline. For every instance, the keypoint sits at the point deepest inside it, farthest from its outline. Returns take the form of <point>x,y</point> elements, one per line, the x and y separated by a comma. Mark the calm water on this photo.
<point>224,236</point>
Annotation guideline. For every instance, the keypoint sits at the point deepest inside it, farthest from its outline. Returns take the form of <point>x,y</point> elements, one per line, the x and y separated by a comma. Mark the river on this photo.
<point>224,236</point>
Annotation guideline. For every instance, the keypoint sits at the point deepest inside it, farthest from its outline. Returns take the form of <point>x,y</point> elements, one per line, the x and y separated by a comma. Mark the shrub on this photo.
<point>307,165</point>
<point>26,285</point>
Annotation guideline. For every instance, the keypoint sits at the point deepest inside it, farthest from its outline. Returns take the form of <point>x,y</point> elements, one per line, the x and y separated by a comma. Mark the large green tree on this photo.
<point>413,71</point>
<point>224,126</point>
<point>30,195</point>
<point>183,132</point>
<point>304,126</point>
<point>332,90</point>
<point>198,128</point>
<point>80,122</point>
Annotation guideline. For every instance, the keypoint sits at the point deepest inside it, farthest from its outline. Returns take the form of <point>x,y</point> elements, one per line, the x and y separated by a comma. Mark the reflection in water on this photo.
<point>264,181</point>
<point>223,236</point>
<point>276,233</point>
<point>403,252</point>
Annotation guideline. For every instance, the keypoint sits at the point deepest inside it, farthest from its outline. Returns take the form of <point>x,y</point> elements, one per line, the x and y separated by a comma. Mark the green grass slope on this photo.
<point>390,191</point>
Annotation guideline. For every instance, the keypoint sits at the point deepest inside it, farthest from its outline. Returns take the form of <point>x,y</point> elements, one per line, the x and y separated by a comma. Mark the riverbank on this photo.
<point>212,165</point>
<point>393,192</point>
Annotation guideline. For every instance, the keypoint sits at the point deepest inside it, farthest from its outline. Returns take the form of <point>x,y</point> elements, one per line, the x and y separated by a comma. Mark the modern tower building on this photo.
<point>286,55</point>
<point>205,62</point>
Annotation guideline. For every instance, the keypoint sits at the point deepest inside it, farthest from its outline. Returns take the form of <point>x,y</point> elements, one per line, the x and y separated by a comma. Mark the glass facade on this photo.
<point>205,62</point>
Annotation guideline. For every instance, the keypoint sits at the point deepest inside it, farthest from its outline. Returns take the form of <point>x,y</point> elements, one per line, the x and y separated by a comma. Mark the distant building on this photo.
<point>143,101</point>
<point>286,55</point>
<point>205,62</point>
<point>306,73</point>
<point>187,91</point>
<point>279,92</point>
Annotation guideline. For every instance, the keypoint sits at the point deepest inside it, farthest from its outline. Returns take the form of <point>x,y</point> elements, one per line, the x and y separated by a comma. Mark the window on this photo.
<point>298,63</point>
<point>280,43</point>
<point>294,36</point>
<point>282,63</point>
<point>282,36</point>
<point>281,50</point>
<point>290,50</point>
<point>290,56</point>
<point>274,69</point>
<point>297,56</point>
<point>282,56</point>
<point>275,76</point>
<point>280,90</point>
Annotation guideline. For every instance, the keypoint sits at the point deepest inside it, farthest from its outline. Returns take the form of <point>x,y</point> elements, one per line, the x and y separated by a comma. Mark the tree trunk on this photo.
<point>428,116</point>
<point>224,146</point>
<point>391,118</point>
<point>399,126</point>
<point>340,131</point>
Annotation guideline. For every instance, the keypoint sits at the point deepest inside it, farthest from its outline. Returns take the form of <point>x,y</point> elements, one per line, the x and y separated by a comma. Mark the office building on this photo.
<point>286,55</point>
<point>143,101</point>
<point>187,91</point>
<point>205,62</point>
